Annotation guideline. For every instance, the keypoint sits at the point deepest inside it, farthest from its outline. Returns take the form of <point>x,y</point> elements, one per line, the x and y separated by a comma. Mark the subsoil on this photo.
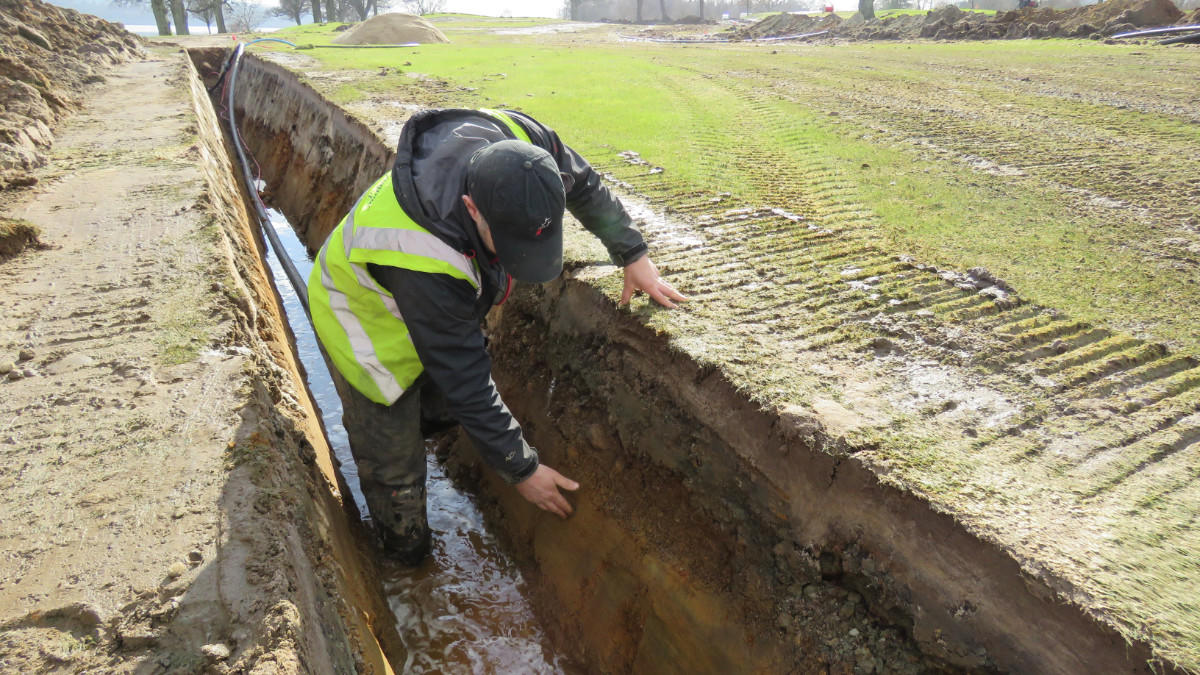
<point>392,29</point>
<point>1094,21</point>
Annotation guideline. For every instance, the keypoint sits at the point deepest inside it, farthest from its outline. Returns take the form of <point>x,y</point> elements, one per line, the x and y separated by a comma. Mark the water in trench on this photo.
<point>463,610</point>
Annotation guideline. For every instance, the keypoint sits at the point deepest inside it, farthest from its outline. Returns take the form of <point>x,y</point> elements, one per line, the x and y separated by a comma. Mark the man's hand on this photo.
<point>642,275</point>
<point>541,489</point>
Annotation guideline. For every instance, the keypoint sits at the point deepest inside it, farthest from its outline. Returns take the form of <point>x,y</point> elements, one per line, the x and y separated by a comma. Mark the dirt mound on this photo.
<point>16,236</point>
<point>1192,18</point>
<point>391,29</point>
<point>951,23</point>
<point>789,24</point>
<point>47,55</point>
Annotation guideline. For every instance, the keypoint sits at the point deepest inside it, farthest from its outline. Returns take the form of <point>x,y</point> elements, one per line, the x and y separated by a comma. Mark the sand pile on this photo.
<point>950,23</point>
<point>392,29</point>
<point>47,55</point>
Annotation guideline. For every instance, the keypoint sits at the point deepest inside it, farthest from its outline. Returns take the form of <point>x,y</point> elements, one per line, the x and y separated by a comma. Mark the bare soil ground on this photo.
<point>168,501</point>
<point>48,54</point>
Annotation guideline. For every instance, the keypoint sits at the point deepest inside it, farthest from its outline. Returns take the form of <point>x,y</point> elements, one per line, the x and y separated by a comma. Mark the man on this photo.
<point>475,199</point>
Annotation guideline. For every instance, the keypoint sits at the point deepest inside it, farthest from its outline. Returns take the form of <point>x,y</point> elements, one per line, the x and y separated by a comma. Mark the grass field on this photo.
<point>1068,168</point>
<point>1067,427</point>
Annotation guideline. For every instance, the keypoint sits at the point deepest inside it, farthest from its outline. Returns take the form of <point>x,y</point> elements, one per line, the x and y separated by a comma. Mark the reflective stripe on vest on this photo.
<point>357,320</point>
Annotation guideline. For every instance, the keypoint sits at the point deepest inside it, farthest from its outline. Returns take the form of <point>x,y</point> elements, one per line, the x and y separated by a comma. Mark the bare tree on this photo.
<point>209,10</point>
<point>867,9</point>
<point>203,10</point>
<point>244,16</point>
<point>292,9</point>
<point>179,15</point>
<point>423,7</point>
<point>364,8</point>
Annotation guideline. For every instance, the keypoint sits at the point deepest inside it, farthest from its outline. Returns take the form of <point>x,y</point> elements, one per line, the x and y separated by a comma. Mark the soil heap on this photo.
<point>392,29</point>
<point>951,23</point>
<point>47,55</point>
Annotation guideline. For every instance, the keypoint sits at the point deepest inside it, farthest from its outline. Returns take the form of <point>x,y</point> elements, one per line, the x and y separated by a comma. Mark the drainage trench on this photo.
<point>464,608</point>
<point>645,576</point>
<point>709,535</point>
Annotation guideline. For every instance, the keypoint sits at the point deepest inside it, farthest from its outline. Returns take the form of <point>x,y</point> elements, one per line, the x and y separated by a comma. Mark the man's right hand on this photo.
<point>541,489</point>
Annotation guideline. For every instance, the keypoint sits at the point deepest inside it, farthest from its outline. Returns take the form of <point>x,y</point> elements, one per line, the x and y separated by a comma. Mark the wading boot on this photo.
<point>400,521</point>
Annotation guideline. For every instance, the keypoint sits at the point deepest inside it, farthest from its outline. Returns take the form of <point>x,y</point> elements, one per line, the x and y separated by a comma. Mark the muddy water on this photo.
<point>464,609</point>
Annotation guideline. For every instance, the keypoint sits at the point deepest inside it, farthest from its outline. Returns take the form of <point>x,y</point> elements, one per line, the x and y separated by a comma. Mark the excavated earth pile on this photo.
<point>47,56</point>
<point>831,458</point>
<point>951,23</point>
<point>392,29</point>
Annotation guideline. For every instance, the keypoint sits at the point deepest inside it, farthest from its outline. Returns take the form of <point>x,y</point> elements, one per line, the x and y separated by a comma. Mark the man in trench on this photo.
<point>474,200</point>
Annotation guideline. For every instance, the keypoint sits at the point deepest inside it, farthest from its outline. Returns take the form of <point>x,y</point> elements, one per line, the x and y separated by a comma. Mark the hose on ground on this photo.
<point>264,220</point>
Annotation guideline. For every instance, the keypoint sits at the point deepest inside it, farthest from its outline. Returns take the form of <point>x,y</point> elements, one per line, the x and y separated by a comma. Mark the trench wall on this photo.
<point>294,507</point>
<point>712,531</point>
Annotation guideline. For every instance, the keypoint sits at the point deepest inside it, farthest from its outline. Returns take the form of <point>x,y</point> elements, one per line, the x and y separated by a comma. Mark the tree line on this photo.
<point>240,16</point>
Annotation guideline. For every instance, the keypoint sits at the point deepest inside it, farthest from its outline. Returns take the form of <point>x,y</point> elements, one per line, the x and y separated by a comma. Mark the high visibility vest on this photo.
<point>356,319</point>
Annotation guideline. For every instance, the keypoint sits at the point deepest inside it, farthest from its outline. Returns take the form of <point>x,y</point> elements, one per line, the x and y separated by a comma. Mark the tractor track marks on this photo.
<point>1101,422</point>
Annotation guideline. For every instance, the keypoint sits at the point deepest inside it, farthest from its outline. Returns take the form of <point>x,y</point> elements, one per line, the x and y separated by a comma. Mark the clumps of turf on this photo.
<point>16,236</point>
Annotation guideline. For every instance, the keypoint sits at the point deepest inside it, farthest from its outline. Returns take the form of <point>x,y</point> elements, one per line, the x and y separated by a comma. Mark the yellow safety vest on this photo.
<point>355,318</point>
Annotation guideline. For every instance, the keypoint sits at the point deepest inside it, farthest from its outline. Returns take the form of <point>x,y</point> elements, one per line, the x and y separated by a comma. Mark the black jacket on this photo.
<point>443,314</point>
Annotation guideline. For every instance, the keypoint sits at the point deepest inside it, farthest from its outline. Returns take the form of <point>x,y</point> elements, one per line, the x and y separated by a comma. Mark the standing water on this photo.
<point>463,610</point>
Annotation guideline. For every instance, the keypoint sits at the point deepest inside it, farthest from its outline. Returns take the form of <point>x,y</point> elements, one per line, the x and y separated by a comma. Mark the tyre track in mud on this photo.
<point>1091,471</point>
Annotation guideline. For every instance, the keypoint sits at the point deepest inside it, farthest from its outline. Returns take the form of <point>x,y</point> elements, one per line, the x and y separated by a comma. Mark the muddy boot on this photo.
<point>400,521</point>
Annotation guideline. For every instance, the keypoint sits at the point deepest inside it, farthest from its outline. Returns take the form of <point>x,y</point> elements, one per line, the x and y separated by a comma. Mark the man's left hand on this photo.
<point>642,275</point>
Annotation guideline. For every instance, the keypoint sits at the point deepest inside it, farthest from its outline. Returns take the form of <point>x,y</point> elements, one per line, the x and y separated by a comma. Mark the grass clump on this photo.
<point>16,236</point>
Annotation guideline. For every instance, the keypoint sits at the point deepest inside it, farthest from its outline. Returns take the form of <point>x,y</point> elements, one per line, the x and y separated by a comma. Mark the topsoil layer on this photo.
<point>951,23</point>
<point>392,29</point>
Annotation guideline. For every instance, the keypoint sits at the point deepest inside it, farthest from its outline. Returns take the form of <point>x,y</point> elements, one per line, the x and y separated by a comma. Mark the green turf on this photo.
<point>636,97</point>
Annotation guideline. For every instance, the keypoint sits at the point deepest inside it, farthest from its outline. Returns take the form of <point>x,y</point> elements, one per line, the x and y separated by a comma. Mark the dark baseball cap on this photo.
<point>518,189</point>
